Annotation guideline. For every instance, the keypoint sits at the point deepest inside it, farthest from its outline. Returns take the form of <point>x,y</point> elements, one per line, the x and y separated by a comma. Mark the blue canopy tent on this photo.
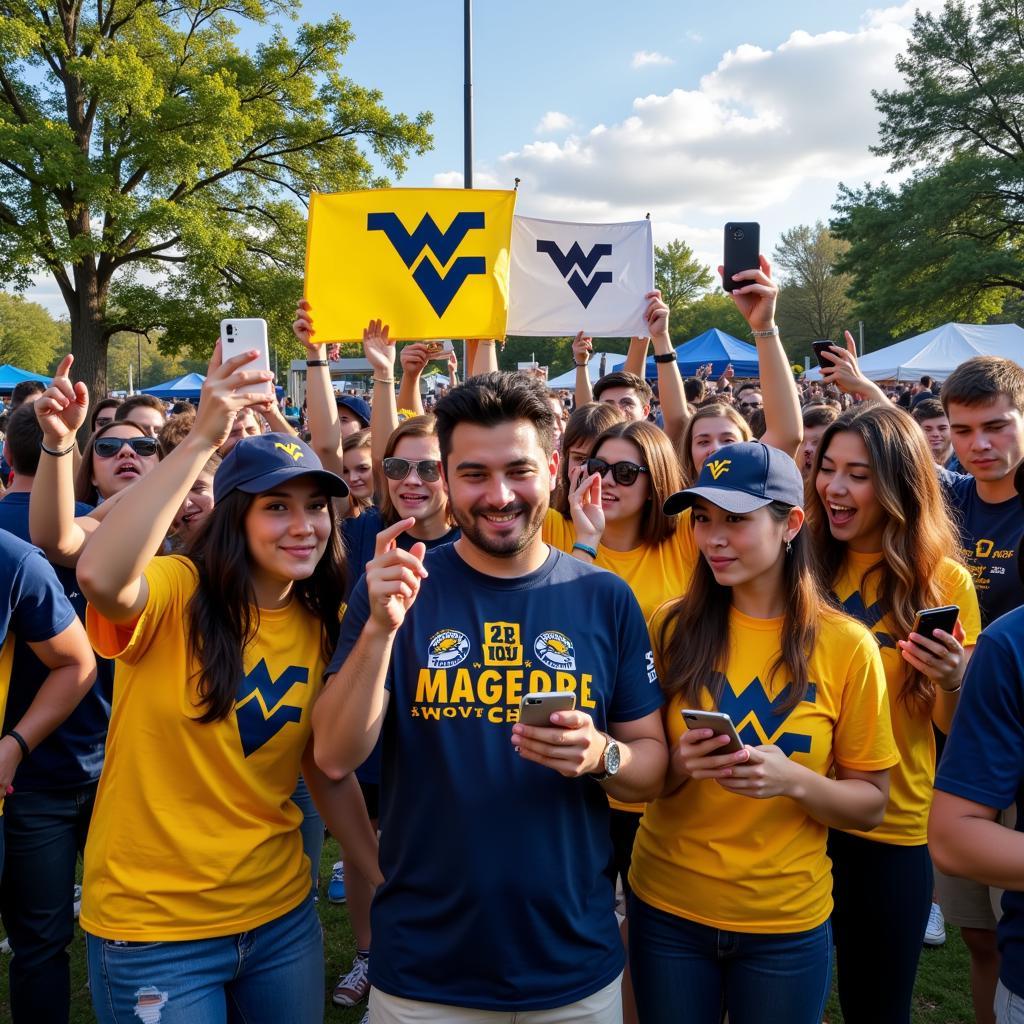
<point>11,376</point>
<point>714,347</point>
<point>182,388</point>
<point>179,389</point>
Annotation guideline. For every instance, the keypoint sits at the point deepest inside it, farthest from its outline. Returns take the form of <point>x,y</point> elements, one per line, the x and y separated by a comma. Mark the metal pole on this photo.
<point>860,351</point>
<point>467,125</point>
<point>138,338</point>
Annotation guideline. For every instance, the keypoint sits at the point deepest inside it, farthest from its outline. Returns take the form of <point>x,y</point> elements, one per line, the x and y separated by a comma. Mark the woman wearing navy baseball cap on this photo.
<point>197,897</point>
<point>731,885</point>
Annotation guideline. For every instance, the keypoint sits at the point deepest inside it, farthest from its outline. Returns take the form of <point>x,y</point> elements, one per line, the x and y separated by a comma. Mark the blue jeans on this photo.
<point>312,828</point>
<point>688,973</point>
<point>271,974</point>
<point>46,831</point>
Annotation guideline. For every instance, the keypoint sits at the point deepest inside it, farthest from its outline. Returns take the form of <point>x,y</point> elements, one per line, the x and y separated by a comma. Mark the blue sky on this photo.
<point>698,114</point>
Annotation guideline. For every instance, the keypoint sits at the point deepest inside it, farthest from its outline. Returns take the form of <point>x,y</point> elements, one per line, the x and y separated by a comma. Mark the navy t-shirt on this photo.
<point>984,757</point>
<point>72,755</point>
<point>990,538</point>
<point>498,891</point>
<point>33,607</point>
<point>360,537</point>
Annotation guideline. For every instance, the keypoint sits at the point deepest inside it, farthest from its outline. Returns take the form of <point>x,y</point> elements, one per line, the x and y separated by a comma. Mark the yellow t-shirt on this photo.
<point>910,783</point>
<point>740,864</point>
<point>194,834</point>
<point>656,573</point>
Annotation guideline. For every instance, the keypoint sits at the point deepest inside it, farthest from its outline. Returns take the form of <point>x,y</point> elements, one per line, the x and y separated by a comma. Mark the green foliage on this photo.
<point>29,336</point>
<point>947,243</point>
<point>715,309</point>
<point>813,300</point>
<point>680,276</point>
<point>158,171</point>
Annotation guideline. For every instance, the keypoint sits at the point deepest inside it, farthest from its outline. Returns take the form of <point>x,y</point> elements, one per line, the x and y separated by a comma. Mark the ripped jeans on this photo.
<point>271,974</point>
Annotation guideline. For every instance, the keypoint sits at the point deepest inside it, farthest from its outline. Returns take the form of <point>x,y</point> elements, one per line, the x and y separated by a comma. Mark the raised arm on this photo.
<point>379,350</point>
<point>756,301</point>
<point>636,357</point>
<point>110,571</point>
<point>486,358</point>
<point>414,360</point>
<point>582,350</point>
<point>348,714</point>
<point>321,408</point>
<point>844,371</point>
<point>61,410</point>
<point>670,384</point>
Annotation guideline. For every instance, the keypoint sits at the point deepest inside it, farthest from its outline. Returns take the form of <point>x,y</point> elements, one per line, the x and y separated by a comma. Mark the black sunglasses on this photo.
<point>108,447</point>
<point>429,470</point>
<point>624,473</point>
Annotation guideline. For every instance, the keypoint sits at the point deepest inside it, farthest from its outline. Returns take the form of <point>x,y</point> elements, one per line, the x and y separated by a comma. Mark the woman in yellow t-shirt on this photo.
<point>731,888</point>
<point>886,548</point>
<point>196,896</point>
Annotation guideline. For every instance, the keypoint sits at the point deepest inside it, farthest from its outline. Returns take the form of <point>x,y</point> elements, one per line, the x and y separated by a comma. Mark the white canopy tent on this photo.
<point>612,361</point>
<point>940,351</point>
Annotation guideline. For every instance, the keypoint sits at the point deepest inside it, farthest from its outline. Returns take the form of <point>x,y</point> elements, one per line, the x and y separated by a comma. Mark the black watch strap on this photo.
<point>668,357</point>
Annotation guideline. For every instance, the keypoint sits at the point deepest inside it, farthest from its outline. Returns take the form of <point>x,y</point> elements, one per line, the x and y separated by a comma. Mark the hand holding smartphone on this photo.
<point>243,335</point>
<point>742,252</point>
<point>821,352</point>
<point>719,723</point>
<point>929,619</point>
<point>537,708</point>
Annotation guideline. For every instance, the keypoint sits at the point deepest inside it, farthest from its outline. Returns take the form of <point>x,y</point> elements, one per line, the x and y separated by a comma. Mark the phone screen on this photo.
<point>822,352</point>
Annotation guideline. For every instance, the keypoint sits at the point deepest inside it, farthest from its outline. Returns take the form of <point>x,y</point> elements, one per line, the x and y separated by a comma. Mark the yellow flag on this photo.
<point>431,263</point>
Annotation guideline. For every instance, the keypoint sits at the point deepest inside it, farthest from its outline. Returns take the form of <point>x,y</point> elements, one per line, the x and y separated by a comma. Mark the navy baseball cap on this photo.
<point>355,405</point>
<point>741,478</point>
<point>256,464</point>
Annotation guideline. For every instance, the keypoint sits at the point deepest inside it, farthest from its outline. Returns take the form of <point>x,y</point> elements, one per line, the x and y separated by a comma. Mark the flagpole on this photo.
<point>467,127</point>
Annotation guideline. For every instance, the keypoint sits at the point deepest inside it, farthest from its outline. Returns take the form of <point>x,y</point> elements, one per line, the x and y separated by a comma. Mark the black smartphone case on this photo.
<point>742,247</point>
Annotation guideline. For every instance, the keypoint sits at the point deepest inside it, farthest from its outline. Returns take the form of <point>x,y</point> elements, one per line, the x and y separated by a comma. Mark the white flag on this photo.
<point>579,277</point>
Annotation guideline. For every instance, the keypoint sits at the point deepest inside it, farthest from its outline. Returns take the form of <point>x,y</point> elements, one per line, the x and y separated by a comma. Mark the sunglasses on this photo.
<point>429,470</point>
<point>624,473</point>
<point>751,405</point>
<point>108,447</point>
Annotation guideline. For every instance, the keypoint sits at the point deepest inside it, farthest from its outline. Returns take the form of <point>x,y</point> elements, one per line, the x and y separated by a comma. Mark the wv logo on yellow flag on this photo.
<point>431,263</point>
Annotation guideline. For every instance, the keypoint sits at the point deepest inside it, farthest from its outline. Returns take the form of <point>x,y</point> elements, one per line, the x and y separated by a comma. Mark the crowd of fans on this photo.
<point>234,626</point>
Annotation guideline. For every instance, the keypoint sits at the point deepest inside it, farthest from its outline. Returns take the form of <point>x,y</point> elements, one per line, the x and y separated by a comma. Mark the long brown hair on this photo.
<point>664,478</point>
<point>694,636</point>
<point>223,615</point>
<point>713,410</point>
<point>85,489</point>
<point>360,439</point>
<point>918,533</point>
<point>584,425</point>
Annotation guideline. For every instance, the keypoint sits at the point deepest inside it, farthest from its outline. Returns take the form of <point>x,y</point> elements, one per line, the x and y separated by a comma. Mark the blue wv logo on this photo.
<point>867,616</point>
<point>258,708</point>
<point>439,291</point>
<point>571,263</point>
<point>753,706</point>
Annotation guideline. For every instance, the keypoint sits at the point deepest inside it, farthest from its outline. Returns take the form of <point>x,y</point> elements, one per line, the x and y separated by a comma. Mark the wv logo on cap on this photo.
<point>576,268</point>
<point>439,291</point>
<point>718,467</point>
<point>291,449</point>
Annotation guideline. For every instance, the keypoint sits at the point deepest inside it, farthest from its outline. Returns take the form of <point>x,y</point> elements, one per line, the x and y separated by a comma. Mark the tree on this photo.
<point>947,243</point>
<point>679,275</point>
<point>29,336</point>
<point>813,301</point>
<point>137,139</point>
<point>715,309</point>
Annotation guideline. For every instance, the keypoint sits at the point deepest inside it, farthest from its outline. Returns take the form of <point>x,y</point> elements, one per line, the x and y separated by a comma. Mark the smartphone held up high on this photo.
<point>742,251</point>
<point>244,335</point>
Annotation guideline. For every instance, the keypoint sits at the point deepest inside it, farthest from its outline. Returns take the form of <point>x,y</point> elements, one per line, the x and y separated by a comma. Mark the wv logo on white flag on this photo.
<point>569,277</point>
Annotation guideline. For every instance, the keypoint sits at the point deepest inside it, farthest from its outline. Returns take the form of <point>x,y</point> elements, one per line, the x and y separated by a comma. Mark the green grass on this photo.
<point>942,995</point>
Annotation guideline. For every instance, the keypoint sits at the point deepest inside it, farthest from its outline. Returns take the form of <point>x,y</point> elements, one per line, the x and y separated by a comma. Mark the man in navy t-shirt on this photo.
<point>495,845</point>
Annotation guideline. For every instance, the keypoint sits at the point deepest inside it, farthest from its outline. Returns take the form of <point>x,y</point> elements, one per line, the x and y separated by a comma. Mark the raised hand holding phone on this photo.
<point>393,577</point>
<point>230,385</point>
<point>61,409</point>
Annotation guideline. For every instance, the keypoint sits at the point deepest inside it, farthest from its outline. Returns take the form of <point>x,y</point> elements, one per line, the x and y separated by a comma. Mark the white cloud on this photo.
<point>694,37</point>
<point>646,58</point>
<point>553,121</point>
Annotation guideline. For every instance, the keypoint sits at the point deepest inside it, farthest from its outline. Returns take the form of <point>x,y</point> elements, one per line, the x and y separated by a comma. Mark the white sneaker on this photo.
<point>77,899</point>
<point>366,1017</point>
<point>935,933</point>
<point>353,987</point>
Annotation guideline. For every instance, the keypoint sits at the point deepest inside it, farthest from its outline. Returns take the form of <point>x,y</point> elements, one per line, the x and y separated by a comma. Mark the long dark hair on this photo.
<point>694,636</point>
<point>223,616</point>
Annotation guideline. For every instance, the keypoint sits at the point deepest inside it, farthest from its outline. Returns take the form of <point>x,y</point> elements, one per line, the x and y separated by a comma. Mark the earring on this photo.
<point>789,547</point>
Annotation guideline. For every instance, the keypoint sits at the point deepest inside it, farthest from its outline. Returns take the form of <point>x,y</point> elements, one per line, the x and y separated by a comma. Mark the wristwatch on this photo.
<point>612,760</point>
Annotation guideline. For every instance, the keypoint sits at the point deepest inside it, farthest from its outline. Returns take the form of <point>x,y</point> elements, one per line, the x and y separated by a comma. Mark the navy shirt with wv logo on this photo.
<point>498,891</point>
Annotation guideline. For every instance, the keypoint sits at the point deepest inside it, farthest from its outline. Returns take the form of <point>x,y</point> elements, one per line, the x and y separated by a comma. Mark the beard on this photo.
<point>469,522</point>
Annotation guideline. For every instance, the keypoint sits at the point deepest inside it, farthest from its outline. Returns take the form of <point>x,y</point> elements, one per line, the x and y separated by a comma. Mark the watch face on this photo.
<point>611,758</point>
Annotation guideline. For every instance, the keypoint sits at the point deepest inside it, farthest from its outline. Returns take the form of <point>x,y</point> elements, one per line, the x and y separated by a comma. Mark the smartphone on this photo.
<point>821,350</point>
<point>238,336</point>
<point>719,723</point>
<point>439,349</point>
<point>742,249</point>
<point>936,618</point>
<point>537,708</point>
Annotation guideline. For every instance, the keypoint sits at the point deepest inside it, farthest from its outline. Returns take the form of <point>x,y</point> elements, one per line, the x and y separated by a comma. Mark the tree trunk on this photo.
<point>88,340</point>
